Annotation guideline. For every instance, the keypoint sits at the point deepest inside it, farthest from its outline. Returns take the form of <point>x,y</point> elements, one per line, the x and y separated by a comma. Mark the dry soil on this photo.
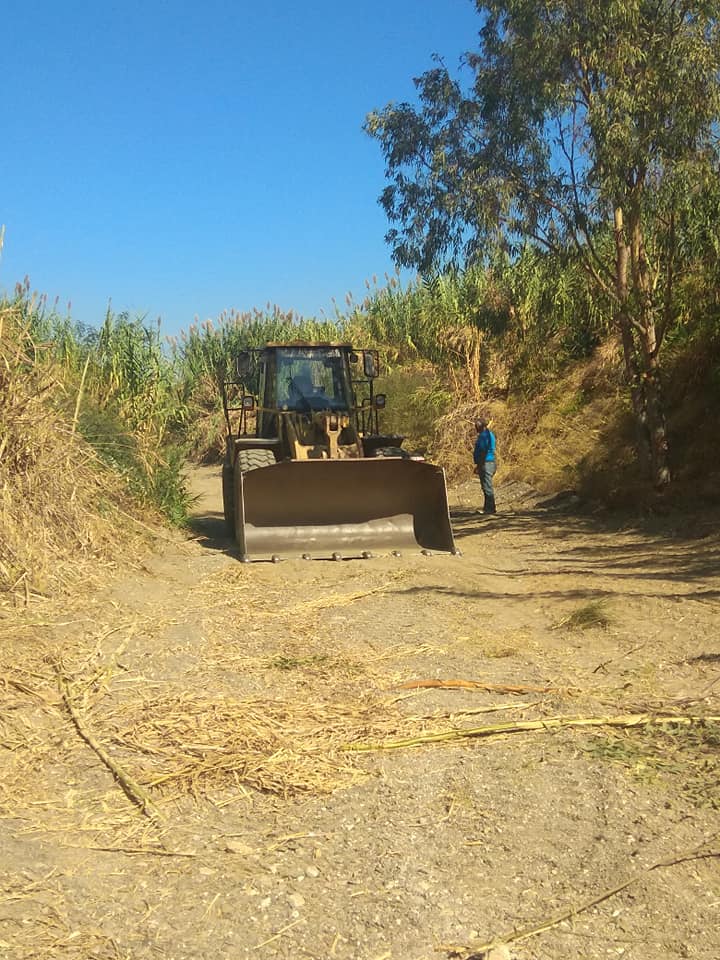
<point>176,783</point>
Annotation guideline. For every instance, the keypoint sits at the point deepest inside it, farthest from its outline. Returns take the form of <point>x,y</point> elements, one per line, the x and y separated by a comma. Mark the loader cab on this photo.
<point>304,380</point>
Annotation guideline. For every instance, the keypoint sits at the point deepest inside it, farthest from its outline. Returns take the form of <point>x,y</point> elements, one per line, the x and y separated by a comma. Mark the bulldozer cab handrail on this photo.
<point>363,411</point>
<point>229,408</point>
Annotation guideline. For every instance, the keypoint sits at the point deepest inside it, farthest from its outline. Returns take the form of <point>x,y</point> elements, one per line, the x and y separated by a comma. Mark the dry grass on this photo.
<point>192,743</point>
<point>555,440</point>
<point>37,922</point>
<point>58,507</point>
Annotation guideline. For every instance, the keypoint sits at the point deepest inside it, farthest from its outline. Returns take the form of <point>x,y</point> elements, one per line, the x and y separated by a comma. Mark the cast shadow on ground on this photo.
<point>209,530</point>
<point>616,546</point>
<point>645,552</point>
<point>579,595</point>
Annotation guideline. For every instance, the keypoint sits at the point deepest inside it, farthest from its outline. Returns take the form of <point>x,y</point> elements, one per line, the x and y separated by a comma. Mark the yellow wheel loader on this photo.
<point>307,472</point>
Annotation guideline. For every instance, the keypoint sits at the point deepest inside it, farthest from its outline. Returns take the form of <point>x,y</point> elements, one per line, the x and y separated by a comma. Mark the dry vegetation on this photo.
<point>63,516</point>
<point>205,711</point>
<point>575,434</point>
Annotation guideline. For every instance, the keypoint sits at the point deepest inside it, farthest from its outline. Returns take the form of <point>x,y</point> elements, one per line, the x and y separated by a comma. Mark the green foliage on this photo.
<point>121,388</point>
<point>111,437</point>
<point>416,400</point>
<point>159,482</point>
<point>207,350</point>
<point>684,757</point>
<point>411,322</point>
<point>594,613</point>
<point>165,485</point>
<point>528,315</point>
<point>571,108</point>
<point>588,129</point>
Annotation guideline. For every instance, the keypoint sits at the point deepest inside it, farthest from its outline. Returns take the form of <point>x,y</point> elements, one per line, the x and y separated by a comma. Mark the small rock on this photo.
<point>500,952</point>
<point>237,846</point>
<point>312,872</point>
<point>296,900</point>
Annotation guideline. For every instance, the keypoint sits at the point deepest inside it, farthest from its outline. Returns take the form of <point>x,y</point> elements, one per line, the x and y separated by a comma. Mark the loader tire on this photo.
<point>392,452</point>
<point>253,459</point>
<point>228,494</point>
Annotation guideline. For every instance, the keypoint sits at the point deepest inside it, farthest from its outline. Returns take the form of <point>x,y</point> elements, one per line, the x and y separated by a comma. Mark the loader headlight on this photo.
<point>379,401</point>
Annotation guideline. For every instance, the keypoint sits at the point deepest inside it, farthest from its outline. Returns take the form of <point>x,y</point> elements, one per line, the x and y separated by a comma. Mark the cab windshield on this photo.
<point>310,379</point>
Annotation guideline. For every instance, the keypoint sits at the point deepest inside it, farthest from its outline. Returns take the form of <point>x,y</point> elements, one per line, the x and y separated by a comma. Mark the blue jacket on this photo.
<point>484,447</point>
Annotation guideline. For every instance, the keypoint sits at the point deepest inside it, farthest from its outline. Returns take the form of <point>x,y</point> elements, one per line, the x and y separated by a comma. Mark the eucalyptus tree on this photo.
<point>588,124</point>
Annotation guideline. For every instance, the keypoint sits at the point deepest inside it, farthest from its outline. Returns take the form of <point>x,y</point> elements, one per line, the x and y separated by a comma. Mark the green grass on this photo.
<point>686,758</point>
<point>159,482</point>
<point>595,613</point>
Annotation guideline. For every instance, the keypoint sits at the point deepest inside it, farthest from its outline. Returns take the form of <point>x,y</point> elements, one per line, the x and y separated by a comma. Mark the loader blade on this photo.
<point>347,508</point>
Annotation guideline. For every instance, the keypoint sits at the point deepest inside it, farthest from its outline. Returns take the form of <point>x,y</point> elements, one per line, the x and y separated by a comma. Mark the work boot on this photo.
<point>489,505</point>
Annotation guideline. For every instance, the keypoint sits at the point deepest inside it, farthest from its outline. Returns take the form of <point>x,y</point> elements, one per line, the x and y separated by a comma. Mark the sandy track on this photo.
<point>234,689</point>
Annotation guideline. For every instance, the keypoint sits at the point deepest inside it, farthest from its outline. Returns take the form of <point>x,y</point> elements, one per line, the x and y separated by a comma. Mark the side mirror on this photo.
<point>242,363</point>
<point>371,363</point>
<point>248,402</point>
<point>353,357</point>
<point>379,401</point>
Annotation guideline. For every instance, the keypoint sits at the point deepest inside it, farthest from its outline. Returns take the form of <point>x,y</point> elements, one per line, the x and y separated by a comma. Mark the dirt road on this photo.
<point>190,792</point>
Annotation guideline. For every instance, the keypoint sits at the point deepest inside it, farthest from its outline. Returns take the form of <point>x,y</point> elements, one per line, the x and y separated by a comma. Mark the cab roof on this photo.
<point>310,343</point>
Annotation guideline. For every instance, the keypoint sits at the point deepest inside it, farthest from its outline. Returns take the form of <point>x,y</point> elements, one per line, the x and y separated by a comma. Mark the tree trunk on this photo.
<point>656,425</point>
<point>633,376</point>
<point>649,347</point>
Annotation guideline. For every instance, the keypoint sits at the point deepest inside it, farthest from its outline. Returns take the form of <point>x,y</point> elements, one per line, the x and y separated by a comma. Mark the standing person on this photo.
<point>485,462</point>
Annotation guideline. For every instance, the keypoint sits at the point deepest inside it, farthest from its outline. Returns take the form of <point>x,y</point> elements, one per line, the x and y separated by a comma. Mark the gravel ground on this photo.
<point>225,694</point>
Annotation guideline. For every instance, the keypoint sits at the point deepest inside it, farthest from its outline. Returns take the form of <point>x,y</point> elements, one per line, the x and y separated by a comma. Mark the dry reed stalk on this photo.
<point>495,708</point>
<point>288,926</point>
<point>81,389</point>
<point>406,650</point>
<point>339,600</point>
<point>277,610</point>
<point>475,685</point>
<point>129,851</point>
<point>131,787</point>
<point>29,691</point>
<point>479,952</point>
<point>550,723</point>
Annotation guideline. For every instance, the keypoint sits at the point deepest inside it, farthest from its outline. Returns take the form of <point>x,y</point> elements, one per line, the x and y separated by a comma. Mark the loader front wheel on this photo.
<point>392,452</point>
<point>228,493</point>
<point>254,459</point>
<point>246,462</point>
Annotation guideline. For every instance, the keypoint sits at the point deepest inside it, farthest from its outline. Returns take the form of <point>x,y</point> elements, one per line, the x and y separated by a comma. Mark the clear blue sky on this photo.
<point>183,158</point>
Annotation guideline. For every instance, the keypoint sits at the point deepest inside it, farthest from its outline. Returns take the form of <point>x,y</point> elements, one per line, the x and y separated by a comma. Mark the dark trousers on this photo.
<point>486,472</point>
